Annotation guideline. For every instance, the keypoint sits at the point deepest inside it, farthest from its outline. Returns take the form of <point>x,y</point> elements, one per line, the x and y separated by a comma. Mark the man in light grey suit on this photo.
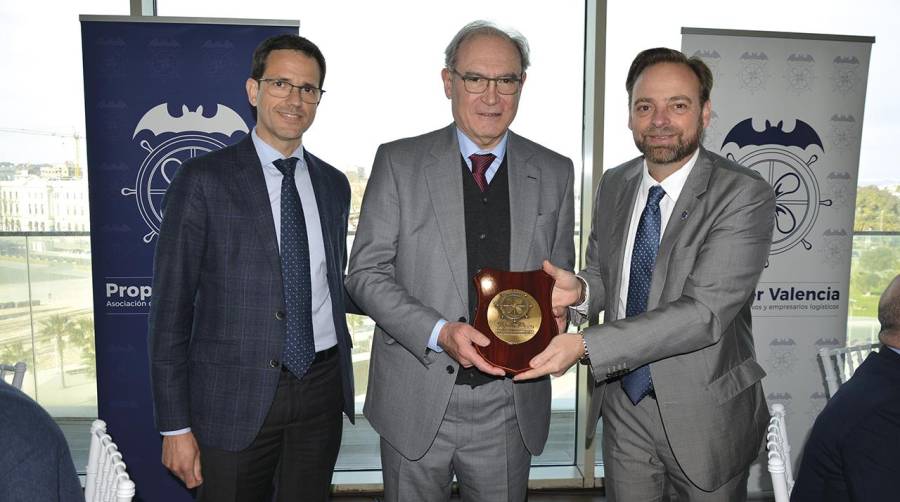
<point>438,208</point>
<point>679,239</point>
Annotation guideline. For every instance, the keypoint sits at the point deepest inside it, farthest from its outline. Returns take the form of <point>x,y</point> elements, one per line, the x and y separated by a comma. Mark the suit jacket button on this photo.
<point>279,315</point>
<point>450,369</point>
<point>273,363</point>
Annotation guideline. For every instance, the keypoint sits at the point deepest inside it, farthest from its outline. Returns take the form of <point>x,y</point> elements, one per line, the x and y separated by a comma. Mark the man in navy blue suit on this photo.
<point>249,347</point>
<point>34,458</point>
<point>853,451</point>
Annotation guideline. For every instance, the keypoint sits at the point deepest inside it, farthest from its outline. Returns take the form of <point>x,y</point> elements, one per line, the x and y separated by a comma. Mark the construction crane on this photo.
<point>36,132</point>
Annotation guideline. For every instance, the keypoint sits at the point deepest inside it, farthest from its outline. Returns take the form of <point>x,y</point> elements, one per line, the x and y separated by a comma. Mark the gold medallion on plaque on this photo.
<point>514,316</point>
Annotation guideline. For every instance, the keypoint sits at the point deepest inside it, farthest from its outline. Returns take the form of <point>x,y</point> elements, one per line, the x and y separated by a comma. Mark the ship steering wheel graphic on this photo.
<point>797,194</point>
<point>157,171</point>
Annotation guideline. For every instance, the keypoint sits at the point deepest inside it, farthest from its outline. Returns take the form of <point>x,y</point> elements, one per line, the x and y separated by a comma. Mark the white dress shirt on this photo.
<point>672,185</point>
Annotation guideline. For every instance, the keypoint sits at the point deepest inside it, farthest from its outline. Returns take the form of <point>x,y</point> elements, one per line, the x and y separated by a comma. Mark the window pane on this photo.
<point>875,262</point>
<point>15,308</point>
<point>63,321</point>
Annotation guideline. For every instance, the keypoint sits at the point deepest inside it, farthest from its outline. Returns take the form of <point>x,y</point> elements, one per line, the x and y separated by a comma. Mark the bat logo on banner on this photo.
<point>158,120</point>
<point>743,134</point>
<point>773,154</point>
<point>175,141</point>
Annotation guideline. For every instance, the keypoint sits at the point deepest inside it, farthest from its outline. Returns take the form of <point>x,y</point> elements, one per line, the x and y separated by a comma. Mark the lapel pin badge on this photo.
<point>684,215</point>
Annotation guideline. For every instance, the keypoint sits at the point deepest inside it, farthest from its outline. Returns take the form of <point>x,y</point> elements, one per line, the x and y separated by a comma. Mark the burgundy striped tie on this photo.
<point>480,164</point>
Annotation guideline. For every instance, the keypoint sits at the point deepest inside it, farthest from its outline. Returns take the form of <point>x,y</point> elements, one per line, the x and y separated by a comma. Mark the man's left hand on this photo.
<point>564,350</point>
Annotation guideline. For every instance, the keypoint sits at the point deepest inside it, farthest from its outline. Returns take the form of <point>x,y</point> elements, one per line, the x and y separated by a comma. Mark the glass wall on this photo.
<point>46,320</point>
<point>46,315</point>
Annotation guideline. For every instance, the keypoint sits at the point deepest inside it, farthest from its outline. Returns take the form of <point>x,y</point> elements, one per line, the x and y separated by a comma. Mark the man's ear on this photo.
<point>252,86</point>
<point>447,77</point>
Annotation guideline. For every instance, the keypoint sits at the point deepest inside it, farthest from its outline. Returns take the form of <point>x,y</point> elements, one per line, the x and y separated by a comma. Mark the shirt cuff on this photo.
<point>433,339</point>
<point>176,433</point>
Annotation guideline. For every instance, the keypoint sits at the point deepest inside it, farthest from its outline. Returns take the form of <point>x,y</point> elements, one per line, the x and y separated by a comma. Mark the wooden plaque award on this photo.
<point>515,312</point>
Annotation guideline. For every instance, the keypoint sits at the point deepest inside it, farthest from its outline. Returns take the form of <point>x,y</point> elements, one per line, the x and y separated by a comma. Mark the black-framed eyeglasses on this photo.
<point>278,88</point>
<point>478,84</point>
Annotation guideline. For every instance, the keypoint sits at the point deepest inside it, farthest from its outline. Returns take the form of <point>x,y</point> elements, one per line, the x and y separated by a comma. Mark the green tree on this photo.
<point>82,336</point>
<point>58,327</point>
<point>880,259</point>
<point>13,352</point>
<point>876,264</point>
<point>876,210</point>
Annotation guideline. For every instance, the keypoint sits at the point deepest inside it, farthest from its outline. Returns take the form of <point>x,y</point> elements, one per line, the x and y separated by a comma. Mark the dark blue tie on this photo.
<point>299,344</point>
<point>638,383</point>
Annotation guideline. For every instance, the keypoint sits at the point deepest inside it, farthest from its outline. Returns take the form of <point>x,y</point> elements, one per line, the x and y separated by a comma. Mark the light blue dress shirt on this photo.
<point>323,321</point>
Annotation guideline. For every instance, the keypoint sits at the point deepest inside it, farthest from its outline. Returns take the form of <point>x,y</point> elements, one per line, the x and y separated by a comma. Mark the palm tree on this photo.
<point>13,352</point>
<point>58,327</point>
<point>83,337</point>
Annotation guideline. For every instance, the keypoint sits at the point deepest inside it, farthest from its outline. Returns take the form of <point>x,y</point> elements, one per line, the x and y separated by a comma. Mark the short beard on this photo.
<point>671,154</point>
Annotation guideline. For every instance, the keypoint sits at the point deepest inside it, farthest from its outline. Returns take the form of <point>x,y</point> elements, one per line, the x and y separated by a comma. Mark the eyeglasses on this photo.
<point>278,88</point>
<point>478,84</point>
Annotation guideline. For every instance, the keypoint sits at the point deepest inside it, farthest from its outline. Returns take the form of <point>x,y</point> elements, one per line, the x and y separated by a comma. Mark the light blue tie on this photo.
<point>299,344</point>
<point>638,383</point>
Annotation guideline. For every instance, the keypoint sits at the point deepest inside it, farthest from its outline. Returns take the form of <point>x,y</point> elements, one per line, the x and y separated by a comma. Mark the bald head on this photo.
<point>889,314</point>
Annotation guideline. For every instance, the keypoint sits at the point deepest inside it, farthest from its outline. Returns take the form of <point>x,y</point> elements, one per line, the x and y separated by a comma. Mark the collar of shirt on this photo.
<point>673,184</point>
<point>895,349</point>
<point>268,154</point>
<point>467,147</point>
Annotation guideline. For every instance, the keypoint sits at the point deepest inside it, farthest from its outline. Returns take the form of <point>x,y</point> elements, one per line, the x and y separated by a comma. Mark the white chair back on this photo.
<point>841,362</point>
<point>17,370</point>
<point>779,453</point>
<point>107,480</point>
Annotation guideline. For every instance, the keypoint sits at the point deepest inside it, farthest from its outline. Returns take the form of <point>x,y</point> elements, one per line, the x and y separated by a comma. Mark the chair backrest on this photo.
<point>779,453</point>
<point>17,370</point>
<point>840,363</point>
<point>107,480</point>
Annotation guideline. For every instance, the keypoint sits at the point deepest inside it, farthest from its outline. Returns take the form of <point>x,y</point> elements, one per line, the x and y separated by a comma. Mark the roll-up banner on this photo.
<point>790,106</point>
<point>157,91</point>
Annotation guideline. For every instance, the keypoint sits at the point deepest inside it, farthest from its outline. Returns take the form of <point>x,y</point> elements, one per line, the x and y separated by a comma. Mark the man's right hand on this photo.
<point>459,339</point>
<point>567,290</point>
<point>181,455</point>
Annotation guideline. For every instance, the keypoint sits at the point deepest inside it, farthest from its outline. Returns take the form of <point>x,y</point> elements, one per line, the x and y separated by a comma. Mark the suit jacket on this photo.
<point>853,450</point>
<point>217,317</point>
<point>408,270</point>
<point>696,334</point>
<point>34,455</point>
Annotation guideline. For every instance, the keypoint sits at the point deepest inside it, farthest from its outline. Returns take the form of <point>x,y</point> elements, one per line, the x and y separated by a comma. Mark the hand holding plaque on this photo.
<point>515,312</point>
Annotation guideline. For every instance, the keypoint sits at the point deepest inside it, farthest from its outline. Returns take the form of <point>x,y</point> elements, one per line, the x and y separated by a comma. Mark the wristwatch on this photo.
<point>586,357</point>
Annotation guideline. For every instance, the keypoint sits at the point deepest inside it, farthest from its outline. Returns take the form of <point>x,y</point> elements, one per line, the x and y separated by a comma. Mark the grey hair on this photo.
<point>481,27</point>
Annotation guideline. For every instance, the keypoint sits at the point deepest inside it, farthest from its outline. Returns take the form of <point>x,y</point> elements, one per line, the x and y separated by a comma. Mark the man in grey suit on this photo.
<point>250,353</point>
<point>678,241</point>
<point>438,208</point>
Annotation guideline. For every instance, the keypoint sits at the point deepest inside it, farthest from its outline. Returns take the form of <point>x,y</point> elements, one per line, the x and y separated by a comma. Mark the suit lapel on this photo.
<point>626,195</point>
<point>443,175</point>
<point>322,190</point>
<point>682,215</point>
<point>252,186</point>
<point>524,192</point>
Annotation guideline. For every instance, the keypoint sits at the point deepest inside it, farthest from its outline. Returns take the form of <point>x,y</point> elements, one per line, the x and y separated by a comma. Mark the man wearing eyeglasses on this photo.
<point>438,208</point>
<point>250,353</point>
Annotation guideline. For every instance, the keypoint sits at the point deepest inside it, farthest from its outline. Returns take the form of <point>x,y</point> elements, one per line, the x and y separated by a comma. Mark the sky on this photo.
<point>401,42</point>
